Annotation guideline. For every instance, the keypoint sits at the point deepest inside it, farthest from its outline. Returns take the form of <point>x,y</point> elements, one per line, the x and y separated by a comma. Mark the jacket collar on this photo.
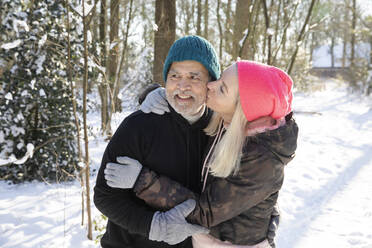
<point>281,141</point>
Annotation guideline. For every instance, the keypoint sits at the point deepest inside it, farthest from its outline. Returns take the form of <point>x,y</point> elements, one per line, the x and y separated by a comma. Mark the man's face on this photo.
<point>186,87</point>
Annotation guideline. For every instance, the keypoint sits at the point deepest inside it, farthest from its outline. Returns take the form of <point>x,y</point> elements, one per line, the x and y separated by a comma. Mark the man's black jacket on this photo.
<point>167,144</point>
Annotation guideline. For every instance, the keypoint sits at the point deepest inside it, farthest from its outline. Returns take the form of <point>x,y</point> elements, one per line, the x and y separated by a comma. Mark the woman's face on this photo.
<point>222,94</point>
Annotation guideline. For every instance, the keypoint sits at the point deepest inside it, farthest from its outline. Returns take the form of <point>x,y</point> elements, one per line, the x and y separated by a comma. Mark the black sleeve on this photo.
<point>121,206</point>
<point>146,91</point>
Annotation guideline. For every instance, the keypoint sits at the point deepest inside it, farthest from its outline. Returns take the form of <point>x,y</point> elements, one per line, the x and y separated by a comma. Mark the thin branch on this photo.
<point>301,36</point>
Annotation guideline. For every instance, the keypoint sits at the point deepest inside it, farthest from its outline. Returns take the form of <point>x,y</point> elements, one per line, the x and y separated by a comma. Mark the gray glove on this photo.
<point>155,102</point>
<point>273,226</point>
<point>122,175</point>
<point>171,226</point>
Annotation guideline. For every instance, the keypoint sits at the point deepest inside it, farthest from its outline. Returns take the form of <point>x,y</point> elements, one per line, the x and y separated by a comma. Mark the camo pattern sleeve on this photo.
<point>160,192</point>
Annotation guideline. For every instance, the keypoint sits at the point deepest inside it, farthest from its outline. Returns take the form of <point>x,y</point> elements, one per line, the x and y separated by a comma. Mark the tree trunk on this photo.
<point>278,14</point>
<point>103,86</point>
<point>284,37</point>
<point>301,36</point>
<point>248,45</point>
<point>370,50</point>
<point>345,35</point>
<point>206,18</point>
<point>188,9</point>
<point>219,27</point>
<point>114,36</point>
<point>123,52</point>
<point>312,46</point>
<point>228,28</point>
<point>86,160</point>
<point>74,106</point>
<point>352,46</point>
<point>114,53</point>
<point>332,51</point>
<point>165,19</point>
<point>267,33</point>
<point>198,23</point>
<point>353,30</point>
<point>241,23</point>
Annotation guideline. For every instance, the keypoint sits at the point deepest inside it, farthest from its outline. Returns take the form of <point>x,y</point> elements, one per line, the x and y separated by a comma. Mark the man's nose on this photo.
<point>184,84</point>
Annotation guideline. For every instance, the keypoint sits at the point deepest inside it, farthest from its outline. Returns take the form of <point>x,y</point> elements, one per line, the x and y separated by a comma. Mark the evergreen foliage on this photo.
<point>35,95</point>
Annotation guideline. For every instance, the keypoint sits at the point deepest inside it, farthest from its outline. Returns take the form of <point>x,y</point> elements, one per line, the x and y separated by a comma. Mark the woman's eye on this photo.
<point>221,89</point>
<point>195,78</point>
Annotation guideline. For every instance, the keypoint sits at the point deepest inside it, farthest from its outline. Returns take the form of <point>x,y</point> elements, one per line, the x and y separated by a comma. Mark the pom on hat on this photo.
<point>264,90</point>
<point>195,48</point>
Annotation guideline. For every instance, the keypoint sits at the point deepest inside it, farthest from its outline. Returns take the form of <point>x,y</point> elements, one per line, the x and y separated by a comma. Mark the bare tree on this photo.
<point>228,27</point>
<point>165,19</point>
<point>247,46</point>
<point>300,37</point>
<point>114,53</point>
<point>219,26</point>
<point>268,34</point>
<point>206,18</point>
<point>198,23</point>
<point>86,159</point>
<point>287,20</point>
<point>345,36</point>
<point>241,22</point>
<point>74,105</point>
<point>353,31</point>
<point>103,87</point>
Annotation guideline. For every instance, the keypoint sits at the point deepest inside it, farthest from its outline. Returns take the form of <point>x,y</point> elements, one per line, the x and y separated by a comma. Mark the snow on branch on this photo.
<point>11,45</point>
<point>79,9</point>
<point>13,160</point>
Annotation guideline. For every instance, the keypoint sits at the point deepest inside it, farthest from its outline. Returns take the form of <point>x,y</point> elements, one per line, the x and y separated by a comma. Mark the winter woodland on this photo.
<point>72,70</point>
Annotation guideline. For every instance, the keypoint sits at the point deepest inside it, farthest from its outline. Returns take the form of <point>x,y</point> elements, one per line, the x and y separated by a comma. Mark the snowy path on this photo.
<point>326,199</point>
<point>346,219</point>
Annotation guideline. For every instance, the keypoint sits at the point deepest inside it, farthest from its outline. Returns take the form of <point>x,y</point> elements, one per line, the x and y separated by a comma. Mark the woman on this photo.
<point>255,136</point>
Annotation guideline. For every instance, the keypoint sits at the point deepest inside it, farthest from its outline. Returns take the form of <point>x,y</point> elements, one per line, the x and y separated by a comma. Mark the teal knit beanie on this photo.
<point>193,48</point>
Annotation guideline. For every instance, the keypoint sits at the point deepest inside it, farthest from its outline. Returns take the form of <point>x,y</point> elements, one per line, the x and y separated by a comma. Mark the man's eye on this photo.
<point>195,78</point>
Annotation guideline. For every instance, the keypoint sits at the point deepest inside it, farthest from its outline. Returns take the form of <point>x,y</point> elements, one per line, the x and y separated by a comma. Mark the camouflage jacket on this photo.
<point>237,208</point>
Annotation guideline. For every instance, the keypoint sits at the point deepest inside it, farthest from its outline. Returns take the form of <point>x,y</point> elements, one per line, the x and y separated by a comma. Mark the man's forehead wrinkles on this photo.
<point>194,73</point>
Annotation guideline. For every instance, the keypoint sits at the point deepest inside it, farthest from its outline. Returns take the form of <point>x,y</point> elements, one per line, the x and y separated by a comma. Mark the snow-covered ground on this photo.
<point>326,199</point>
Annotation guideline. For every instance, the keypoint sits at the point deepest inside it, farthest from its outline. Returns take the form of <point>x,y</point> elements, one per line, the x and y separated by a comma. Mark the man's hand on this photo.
<point>123,175</point>
<point>171,226</point>
<point>155,102</point>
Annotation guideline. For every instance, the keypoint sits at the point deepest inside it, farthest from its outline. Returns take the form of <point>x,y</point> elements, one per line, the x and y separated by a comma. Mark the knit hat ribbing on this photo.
<point>193,48</point>
<point>264,90</point>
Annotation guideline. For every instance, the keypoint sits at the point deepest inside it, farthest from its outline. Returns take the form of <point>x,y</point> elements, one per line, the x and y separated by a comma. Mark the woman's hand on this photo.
<point>155,102</point>
<point>171,227</point>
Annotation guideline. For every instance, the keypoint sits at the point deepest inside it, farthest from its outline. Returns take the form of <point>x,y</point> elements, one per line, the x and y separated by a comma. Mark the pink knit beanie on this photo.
<point>264,90</point>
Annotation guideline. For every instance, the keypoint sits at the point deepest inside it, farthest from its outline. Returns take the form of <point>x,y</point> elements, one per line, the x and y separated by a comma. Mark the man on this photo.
<point>172,144</point>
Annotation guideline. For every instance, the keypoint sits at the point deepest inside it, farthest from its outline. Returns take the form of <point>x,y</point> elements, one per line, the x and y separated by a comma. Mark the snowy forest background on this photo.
<point>70,71</point>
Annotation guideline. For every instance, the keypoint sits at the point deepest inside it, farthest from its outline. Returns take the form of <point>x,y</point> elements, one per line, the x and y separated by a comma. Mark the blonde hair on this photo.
<point>225,159</point>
